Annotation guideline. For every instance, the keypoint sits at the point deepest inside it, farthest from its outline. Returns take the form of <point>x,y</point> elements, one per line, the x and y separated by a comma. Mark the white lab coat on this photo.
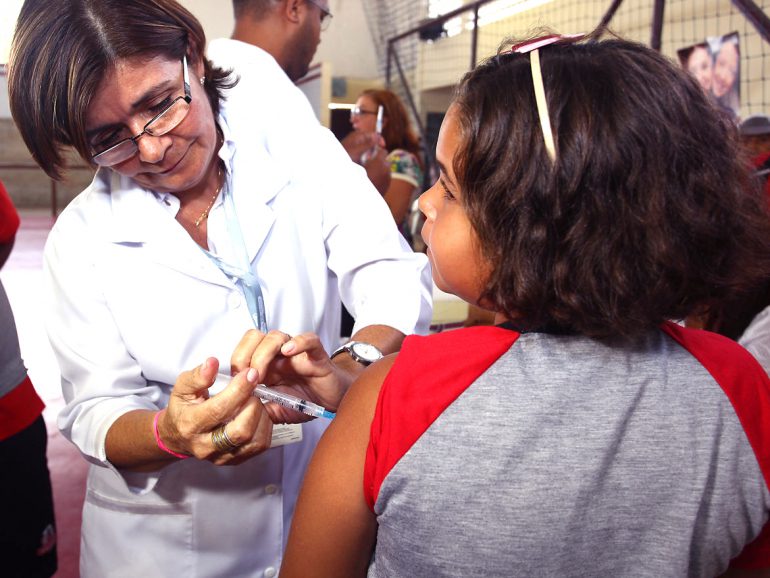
<point>134,301</point>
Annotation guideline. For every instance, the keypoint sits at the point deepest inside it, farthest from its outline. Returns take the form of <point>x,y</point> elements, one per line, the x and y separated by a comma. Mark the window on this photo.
<point>488,13</point>
<point>10,11</point>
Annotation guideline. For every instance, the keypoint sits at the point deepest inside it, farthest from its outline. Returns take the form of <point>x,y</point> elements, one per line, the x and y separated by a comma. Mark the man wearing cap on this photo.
<point>755,136</point>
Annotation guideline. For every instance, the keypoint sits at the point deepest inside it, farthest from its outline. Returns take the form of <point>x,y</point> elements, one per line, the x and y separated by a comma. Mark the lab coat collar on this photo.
<point>139,218</point>
<point>255,180</point>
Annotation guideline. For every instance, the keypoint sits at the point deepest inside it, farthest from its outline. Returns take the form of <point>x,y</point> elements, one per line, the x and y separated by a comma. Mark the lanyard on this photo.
<point>242,274</point>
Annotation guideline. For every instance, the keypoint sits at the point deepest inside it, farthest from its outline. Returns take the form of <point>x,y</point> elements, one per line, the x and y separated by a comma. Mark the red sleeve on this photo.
<point>747,386</point>
<point>9,218</point>
<point>428,375</point>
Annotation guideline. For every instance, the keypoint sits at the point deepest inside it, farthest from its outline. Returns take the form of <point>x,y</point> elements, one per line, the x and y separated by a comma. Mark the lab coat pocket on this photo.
<point>160,543</point>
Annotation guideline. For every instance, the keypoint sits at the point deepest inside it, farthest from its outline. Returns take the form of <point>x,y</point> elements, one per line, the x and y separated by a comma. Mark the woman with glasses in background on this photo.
<point>202,247</point>
<point>402,144</point>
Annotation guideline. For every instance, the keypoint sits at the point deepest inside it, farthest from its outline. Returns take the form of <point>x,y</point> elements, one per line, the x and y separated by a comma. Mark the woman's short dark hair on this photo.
<point>61,51</point>
<point>647,211</point>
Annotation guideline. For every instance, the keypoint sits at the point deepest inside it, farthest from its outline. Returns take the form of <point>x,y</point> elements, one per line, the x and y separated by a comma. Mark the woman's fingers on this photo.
<point>193,385</point>
<point>308,343</point>
<point>257,350</point>
<point>248,434</point>
<point>241,357</point>
<point>225,405</point>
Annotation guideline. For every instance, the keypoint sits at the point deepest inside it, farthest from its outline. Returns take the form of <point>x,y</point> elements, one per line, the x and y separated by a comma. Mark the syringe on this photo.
<point>286,400</point>
<point>292,402</point>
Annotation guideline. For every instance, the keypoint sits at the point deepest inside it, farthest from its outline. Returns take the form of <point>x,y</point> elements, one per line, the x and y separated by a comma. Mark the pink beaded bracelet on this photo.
<point>159,441</point>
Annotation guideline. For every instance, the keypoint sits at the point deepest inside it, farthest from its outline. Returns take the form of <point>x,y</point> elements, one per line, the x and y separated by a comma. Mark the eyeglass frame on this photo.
<point>187,98</point>
<point>326,14</point>
<point>358,111</point>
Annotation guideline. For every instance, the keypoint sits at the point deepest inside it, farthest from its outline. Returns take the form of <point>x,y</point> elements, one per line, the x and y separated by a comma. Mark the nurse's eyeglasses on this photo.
<point>163,122</point>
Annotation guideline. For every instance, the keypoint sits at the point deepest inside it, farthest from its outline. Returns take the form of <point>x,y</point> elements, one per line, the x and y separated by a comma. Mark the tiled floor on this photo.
<point>22,277</point>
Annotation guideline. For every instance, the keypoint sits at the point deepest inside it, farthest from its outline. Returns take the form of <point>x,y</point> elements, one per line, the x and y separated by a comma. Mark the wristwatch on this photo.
<point>363,353</point>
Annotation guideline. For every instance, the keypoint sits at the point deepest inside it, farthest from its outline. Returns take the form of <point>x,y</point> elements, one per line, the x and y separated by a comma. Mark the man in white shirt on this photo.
<point>289,31</point>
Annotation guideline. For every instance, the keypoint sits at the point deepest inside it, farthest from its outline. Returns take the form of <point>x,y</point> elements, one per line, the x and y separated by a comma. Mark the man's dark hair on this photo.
<point>255,9</point>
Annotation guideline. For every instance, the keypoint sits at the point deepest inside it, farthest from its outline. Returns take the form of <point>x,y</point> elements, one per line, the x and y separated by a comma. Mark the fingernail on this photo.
<point>288,347</point>
<point>251,375</point>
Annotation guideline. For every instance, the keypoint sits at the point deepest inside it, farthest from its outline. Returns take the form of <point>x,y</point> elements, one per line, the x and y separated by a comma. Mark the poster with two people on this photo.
<point>715,63</point>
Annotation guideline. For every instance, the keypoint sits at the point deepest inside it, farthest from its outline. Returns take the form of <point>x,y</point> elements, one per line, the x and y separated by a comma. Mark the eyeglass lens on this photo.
<point>165,122</point>
<point>162,123</point>
<point>326,15</point>
<point>358,111</point>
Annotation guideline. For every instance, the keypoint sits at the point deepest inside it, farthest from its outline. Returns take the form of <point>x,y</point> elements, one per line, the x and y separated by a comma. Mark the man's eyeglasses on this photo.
<point>163,122</point>
<point>326,14</point>
<point>358,111</point>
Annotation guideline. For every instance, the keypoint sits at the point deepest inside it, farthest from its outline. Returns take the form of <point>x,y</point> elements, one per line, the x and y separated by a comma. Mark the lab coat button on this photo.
<point>270,572</point>
<point>271,489</point>
<point>234,300</point>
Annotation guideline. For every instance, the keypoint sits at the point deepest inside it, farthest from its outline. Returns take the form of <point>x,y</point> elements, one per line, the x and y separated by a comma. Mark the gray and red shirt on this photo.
<point>497,453</point>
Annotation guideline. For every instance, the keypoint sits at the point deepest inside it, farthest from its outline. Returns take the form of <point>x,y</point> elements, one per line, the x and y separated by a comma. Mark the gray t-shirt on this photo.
<point>12,370</point>
<point>561,456</point>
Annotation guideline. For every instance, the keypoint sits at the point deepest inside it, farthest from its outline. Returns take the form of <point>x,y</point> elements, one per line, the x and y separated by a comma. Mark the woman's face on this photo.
<point>366,120</point>
<point>131,94</point>
<point>452,247</point>
<point>725,69</point>
<point>700,66</point>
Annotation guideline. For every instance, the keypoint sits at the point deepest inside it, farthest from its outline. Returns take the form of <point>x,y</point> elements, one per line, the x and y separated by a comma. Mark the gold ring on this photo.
<point>221,440</point>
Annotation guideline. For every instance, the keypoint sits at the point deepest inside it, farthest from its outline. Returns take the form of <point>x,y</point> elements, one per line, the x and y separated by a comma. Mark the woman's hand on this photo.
<point>368,150</point>
<point>296,365</point>
<point>189,421</point>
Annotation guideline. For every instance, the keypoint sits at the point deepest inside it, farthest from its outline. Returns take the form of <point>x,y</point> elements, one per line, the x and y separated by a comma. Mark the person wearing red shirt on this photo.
<point>28,531</point>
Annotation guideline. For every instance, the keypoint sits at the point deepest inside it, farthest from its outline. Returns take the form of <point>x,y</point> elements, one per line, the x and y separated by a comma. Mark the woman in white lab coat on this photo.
<point>209,242</point>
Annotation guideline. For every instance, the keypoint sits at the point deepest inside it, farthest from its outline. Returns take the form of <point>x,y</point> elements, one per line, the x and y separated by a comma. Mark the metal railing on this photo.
<point>432,29</point>
<point>53,183</point>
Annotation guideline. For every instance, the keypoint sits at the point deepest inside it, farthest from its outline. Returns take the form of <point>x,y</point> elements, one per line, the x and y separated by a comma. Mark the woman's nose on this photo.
<point>152,149</point>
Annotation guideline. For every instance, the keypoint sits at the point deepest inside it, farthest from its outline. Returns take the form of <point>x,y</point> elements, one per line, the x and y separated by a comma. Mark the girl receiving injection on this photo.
<point>588,193</point>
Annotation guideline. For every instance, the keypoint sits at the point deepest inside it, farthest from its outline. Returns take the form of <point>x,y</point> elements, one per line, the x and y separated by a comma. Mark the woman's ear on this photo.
<point>197,69</point>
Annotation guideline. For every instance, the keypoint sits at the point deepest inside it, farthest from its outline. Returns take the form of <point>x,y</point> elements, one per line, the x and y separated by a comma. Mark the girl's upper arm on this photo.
<point>334,531</point>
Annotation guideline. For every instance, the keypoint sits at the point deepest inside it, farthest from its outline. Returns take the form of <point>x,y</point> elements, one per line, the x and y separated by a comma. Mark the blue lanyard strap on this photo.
<point>242,274</point>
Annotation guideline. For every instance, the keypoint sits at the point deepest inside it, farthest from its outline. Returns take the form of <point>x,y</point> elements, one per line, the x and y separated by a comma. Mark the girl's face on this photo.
<point>364,116</point>
<point>452,247</point>
<point>725,69</point>
<point>700,66</point>
<point>129,96</point>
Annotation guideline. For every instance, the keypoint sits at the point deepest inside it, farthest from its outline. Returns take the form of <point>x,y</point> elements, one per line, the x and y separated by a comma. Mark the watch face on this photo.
<point>366,351</point>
